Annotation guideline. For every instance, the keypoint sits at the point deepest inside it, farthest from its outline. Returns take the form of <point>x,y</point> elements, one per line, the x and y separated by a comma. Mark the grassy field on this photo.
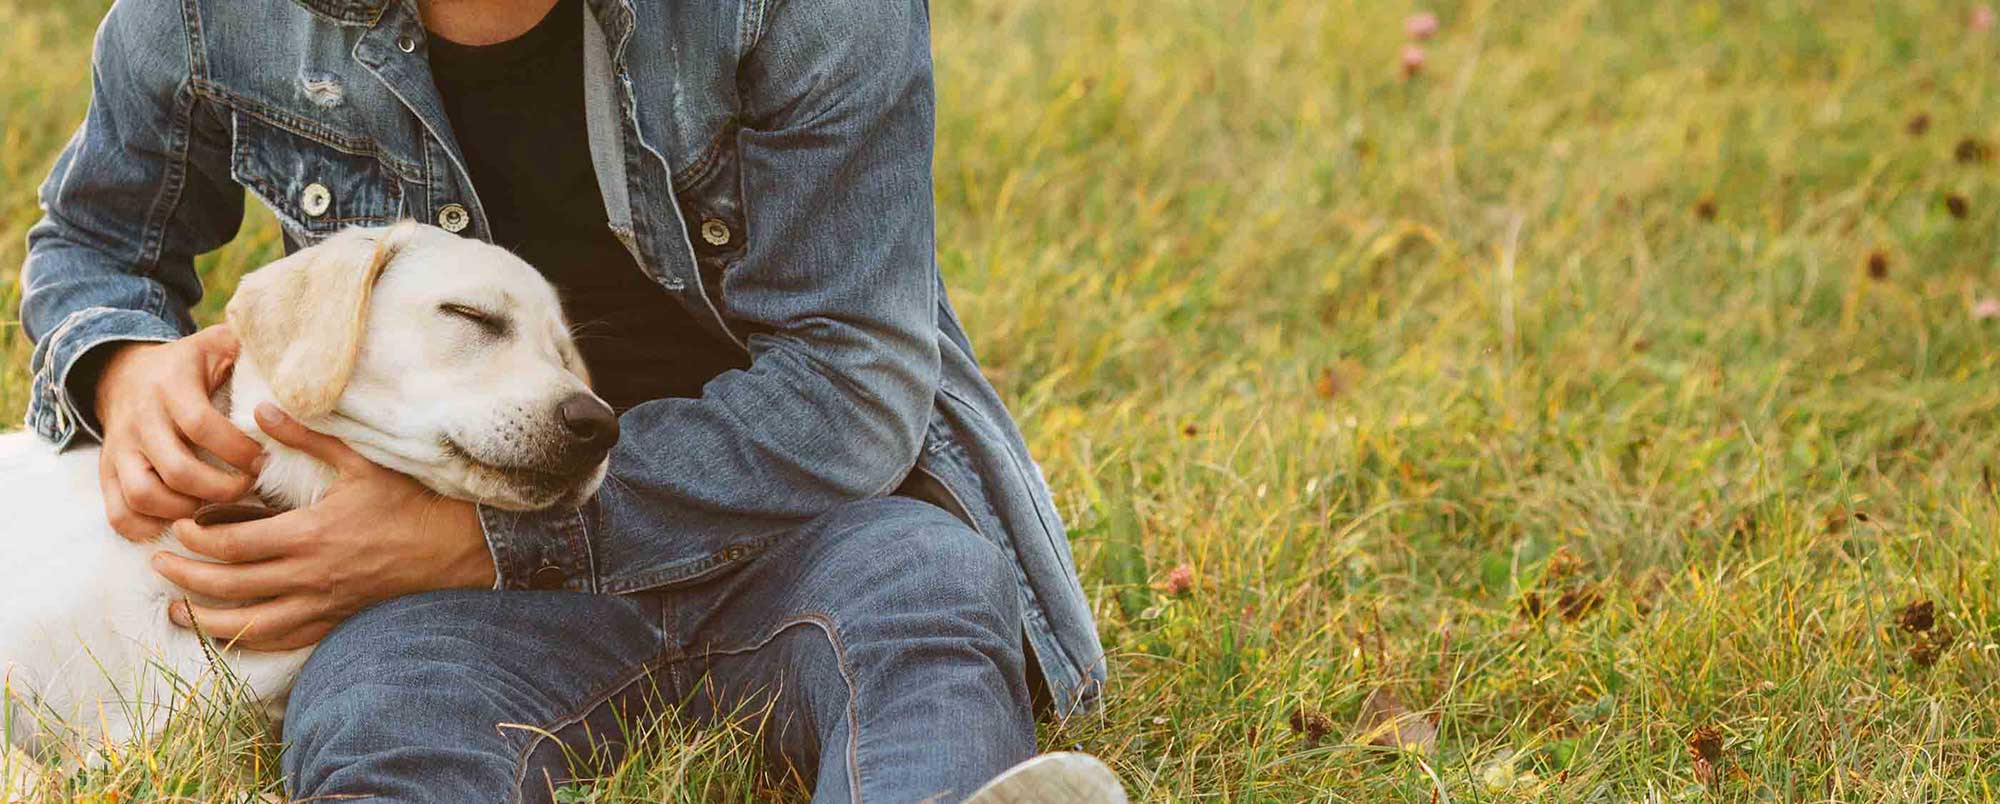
<point>1604,395</point>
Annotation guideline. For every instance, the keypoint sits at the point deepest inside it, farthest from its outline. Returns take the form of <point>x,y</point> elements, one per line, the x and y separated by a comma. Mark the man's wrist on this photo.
<point>94,379</point>
<point>479,569</point>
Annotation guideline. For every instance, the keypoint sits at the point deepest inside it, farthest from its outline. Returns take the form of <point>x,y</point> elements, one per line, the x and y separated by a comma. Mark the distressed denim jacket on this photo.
<point>768,164</point>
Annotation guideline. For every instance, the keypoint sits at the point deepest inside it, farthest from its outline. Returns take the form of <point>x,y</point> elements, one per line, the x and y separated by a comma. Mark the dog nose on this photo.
<point>590,420</point>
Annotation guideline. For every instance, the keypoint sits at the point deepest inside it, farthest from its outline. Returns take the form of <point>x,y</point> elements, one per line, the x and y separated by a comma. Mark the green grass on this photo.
<point>1387,362</point>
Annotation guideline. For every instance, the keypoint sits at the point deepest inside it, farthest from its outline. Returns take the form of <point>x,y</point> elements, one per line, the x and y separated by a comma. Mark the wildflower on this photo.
<point>1422,25</point>
<point>1986,309</point>
<point>1180,580</point>
<point>1413,61</point>
<point>1982,18</point>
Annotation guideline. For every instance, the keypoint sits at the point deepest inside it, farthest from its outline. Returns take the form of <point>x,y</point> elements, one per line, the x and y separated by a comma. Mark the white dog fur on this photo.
<point>440,357</point>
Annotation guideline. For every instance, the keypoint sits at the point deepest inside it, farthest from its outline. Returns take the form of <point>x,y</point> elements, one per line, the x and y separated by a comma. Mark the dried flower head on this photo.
<point>1972,149</point>
<point>1917,617</point>
<point>1957,205</point>
<point>1704,746</point>
<point>1929,647</point>
<point>1878,265</point>
<point>1311,723</point>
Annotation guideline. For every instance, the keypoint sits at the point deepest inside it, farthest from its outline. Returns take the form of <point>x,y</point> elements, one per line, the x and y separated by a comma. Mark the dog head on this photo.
<point>440,357</point>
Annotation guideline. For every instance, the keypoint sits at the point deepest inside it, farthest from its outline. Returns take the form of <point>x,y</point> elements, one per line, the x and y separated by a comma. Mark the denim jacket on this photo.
<point>768,165</point>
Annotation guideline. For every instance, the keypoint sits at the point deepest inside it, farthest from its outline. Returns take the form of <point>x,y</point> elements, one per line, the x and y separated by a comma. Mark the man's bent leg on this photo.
<point>439,697</point>
<point>879,646</point>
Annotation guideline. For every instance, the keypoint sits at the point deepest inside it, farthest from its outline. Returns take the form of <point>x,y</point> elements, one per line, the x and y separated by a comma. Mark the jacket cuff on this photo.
<point>540,549</point>
<point>61,400</point>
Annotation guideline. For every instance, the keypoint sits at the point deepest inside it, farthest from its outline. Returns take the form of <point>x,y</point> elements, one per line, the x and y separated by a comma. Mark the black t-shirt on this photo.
<point>517,110</point>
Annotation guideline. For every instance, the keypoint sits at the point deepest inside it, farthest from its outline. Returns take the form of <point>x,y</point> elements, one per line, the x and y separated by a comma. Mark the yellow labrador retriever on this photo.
<point>440,357</point>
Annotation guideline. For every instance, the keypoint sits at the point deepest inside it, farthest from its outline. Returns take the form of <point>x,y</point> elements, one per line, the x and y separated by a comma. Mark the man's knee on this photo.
<point>925,557</point>
<point>413,694</point>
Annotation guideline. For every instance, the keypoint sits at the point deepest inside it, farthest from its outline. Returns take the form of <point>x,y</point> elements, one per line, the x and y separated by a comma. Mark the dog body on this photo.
<point>455,368</point>
<point>85,635</point>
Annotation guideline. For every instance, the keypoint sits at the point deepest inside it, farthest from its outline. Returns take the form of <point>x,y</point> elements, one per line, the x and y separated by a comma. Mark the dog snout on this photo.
<point>589,421</point>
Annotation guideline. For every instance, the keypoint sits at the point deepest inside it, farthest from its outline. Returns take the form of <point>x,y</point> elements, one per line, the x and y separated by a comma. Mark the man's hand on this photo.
<point>376,534</point>
<point>152,400</point>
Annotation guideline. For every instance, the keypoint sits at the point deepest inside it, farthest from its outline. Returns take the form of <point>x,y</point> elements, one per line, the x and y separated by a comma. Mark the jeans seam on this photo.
<point>832,631</point>
<point>577,715</point>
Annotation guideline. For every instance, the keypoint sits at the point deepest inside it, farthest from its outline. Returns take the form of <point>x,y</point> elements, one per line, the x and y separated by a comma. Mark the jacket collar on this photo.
<point>347,12</point>
<point>615,15</point>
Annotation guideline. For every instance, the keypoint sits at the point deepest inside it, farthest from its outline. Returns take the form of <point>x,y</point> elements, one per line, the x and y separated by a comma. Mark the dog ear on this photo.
<point>300,319</point>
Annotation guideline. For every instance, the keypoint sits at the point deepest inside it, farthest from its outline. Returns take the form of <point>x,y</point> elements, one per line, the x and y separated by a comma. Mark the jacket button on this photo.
<point>715,232</point>
<point>315,200</point>
<point>453,218</point>
<point>548,577</point>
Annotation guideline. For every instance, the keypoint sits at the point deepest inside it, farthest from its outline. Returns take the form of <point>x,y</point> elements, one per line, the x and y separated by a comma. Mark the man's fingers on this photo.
<point>145,493</point>
<point>236,583</point>
<point>256,540</point>
<point>183,472</point>
<point>130,524</point>
<point>198,419</point>
<point>286,430</point>
<point>282,624</point>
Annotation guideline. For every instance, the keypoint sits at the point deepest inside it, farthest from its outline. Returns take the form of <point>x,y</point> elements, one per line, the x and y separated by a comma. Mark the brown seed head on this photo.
<point>1957,205</point>
<point>1705,744</point>
<point>1329,384</point>
<point>1918,125</point>
<point>1917,617</point>
<point>1311,723</point>
<point>1578,601</point>
<point>1878,265</point>
<point>1972,149</point>
<point>1930,646</point>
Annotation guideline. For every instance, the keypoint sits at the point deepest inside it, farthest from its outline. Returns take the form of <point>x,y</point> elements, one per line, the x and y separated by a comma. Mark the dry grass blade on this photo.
<point>1387,723</point>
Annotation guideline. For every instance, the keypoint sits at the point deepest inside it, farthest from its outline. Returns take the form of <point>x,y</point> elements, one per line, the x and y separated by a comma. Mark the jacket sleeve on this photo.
<point>141,188</point>
<point>838,288</point>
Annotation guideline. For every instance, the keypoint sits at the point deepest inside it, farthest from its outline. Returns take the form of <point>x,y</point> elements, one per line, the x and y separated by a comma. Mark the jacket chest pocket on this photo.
<point>315,188</point>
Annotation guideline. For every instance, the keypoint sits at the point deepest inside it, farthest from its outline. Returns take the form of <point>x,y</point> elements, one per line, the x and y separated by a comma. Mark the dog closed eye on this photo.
<point>493,324</point>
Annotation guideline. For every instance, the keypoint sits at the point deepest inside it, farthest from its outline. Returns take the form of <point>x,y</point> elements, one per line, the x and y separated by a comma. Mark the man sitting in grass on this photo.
<point>818,509</point>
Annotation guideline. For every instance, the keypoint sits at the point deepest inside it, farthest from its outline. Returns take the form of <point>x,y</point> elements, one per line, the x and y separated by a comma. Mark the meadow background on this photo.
<point>1605,410</point>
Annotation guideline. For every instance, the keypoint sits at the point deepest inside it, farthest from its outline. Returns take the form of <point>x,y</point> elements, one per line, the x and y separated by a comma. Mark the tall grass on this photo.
<point>1602,393</point>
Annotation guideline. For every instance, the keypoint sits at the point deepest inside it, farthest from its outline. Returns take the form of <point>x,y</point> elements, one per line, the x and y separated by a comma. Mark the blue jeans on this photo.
<point>883,640</point>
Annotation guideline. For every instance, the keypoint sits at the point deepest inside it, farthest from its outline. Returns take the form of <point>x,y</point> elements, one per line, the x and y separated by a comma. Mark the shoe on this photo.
<point>1063,777</point>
